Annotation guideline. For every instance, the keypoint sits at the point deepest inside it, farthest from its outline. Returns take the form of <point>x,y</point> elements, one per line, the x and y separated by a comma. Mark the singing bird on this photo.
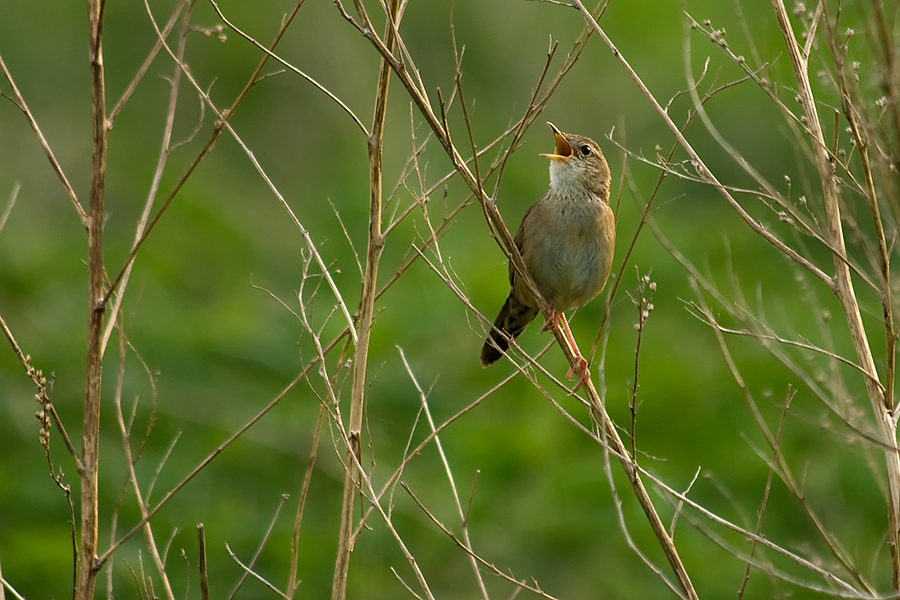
<point>567,240</point>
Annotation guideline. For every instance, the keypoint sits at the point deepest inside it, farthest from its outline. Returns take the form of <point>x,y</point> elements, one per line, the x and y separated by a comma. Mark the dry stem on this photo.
<point>90,456</point>
<point>364,317</point>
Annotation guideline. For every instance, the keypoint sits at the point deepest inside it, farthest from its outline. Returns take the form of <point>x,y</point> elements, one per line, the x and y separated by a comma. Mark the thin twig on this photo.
<point>19,101</point>
<point>149,539</point>
<point>269,52</point>
<point>145,66</point>
<point>248,569</point>
<point>293,581</point>
<point>103,558</point>
<point>534,589</point>
<point>698,163</point>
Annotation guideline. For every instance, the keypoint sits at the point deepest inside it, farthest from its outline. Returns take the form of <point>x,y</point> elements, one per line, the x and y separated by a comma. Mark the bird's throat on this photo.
<point>565,180</point>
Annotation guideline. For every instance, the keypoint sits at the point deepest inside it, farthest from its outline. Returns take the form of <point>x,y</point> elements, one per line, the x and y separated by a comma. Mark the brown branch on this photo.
<point>644,307</point>
<point>269,53</point>
<point>534,589</point>
<point>87,559</point>
<point>151,56</point>
<point>364,316</point>
<point>849,103</point>
<point>463,516</point>
<point>425,108</point>
<point>778,464</point>
<point>248,568</point>
<point>293,581</point>
<point>220,126</point>
<point>201,550</point>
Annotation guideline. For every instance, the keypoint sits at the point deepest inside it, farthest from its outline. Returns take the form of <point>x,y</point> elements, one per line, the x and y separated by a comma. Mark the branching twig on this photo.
<point>534,589</point>
<point>644,305</point>
<point>697,162</point>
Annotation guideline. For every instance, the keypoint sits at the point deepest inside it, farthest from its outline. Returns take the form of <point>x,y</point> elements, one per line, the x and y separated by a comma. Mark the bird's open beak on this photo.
<point>563,149</point>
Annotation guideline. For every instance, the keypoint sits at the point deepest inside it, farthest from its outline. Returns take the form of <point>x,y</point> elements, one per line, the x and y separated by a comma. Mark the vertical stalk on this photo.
<point>85,581</point>
<point>882,406</point>
<point>364,318</point>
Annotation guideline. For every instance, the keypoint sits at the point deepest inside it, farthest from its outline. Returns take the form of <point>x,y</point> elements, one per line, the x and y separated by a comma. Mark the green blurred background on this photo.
<point>218,349</point>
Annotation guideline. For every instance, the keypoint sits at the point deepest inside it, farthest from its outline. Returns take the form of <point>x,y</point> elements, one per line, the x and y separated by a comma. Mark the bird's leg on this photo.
<point>581,367</point>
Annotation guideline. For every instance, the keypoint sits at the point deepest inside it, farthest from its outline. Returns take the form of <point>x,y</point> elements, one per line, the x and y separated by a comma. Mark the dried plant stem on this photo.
<point>201,550</point>
<point>293,581</point>
<point>778,463</point>
<point>364,317</point>
<point>86,573</point>
<point>882,402</point>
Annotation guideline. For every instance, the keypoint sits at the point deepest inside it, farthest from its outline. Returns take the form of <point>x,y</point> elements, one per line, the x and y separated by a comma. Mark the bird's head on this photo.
<point>577,165</point>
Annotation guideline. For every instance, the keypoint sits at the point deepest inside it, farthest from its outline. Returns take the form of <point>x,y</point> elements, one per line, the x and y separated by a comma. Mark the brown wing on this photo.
<point>520,236</point>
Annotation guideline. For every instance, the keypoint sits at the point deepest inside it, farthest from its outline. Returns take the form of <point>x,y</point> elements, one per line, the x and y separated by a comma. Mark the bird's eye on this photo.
<point>585,150</point>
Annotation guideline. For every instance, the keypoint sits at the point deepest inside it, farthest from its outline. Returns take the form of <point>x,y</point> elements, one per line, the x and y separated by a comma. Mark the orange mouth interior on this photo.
<point>563,148</point>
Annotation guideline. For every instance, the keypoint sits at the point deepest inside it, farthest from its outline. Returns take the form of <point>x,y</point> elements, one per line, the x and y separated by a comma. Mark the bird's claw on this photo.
<point>582,369</point>
<point>552,321</point>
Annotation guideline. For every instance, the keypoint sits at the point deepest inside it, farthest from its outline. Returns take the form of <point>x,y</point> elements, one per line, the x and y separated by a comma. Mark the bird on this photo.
<point>567,240</point>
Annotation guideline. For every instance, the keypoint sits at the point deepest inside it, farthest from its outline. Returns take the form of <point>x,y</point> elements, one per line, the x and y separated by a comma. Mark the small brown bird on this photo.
<point>567,240</point>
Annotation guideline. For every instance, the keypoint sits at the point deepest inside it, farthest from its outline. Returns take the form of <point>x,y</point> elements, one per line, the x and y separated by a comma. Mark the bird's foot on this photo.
<point>582,369</point>
<point>552,321</point>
